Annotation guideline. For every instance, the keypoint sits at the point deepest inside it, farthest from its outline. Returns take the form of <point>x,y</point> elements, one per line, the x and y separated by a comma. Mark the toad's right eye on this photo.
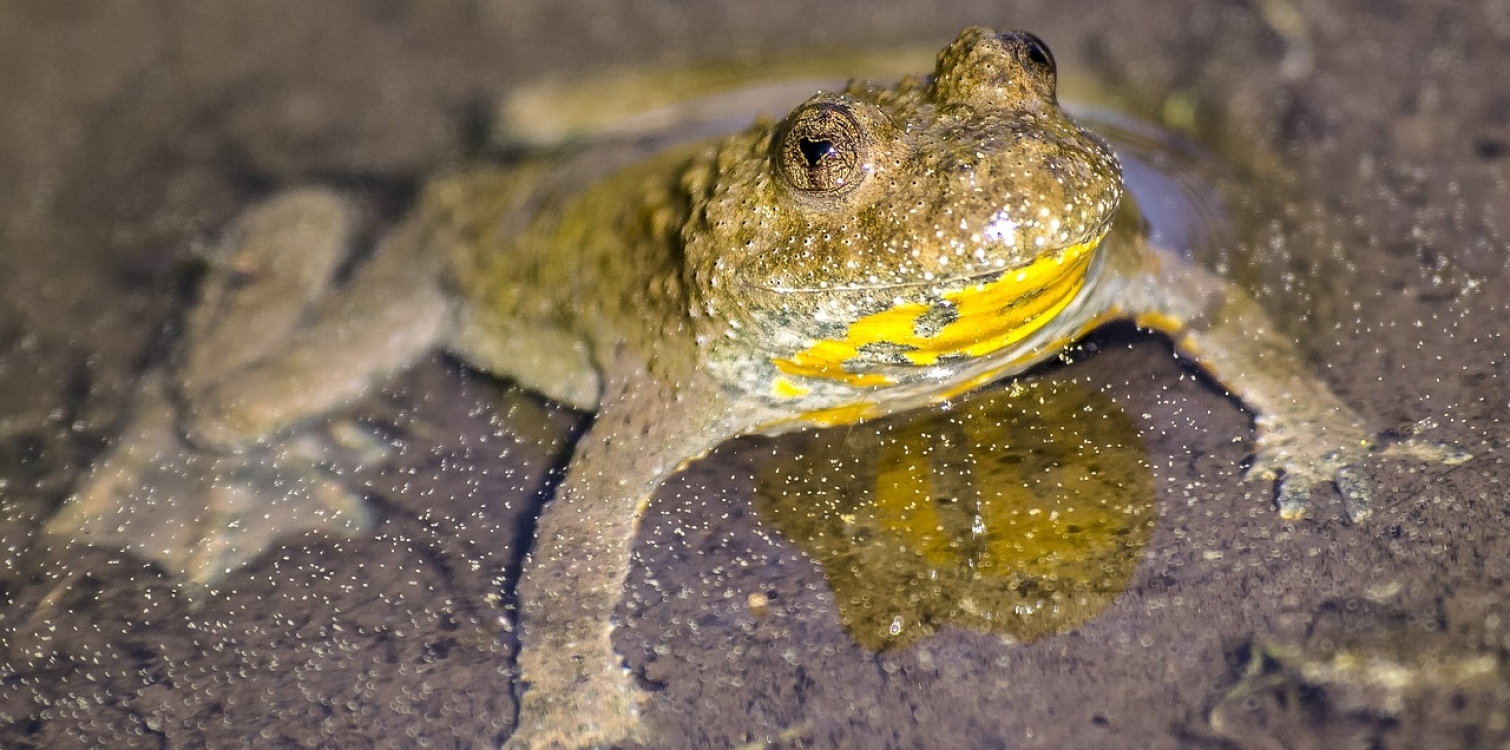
<point>823,150</point>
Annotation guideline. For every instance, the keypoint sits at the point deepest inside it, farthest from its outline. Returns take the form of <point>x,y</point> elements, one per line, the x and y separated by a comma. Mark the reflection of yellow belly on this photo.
<point>1021,512</point>
<point>983,318</point>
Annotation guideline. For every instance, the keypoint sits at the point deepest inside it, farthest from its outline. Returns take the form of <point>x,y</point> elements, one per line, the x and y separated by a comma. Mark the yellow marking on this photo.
<point>862,410</point>
<point>785,388</point>
<point>1158,321</point>
<point>903,497</point>
<point>1172,327</point>
<point>989,317</point>
<point>837,415</point>
<point>1017,364</point>
<point>826,359</point>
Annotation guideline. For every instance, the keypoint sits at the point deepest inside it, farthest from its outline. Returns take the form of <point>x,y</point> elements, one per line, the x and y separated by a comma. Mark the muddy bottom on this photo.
<point>130,135</point>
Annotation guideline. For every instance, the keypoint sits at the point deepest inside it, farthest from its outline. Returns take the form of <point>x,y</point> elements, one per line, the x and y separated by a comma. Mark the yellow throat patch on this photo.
<point>987,317</point>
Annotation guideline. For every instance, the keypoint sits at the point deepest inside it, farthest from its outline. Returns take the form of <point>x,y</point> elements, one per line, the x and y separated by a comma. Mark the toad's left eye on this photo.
<point>1037,52</point>
<point>822,149</point>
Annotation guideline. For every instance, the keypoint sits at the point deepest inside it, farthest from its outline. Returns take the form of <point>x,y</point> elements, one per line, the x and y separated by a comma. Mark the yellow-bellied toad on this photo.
<point>878,249</point>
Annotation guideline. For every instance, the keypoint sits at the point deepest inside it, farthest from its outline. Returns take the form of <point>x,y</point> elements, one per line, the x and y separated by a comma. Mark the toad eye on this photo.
<point>1038,53</point>
<point>823,149</point>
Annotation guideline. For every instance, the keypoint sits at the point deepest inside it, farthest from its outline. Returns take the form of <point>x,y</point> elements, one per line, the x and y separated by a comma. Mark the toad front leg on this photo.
<point>1305,435</point>
<point>577,692</point>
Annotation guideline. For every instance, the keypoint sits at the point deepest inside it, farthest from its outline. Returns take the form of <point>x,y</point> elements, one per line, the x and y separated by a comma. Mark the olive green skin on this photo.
<point>732,243</point>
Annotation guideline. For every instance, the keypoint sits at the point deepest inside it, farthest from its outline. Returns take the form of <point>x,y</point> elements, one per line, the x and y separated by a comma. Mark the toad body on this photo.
<point>879,248</point>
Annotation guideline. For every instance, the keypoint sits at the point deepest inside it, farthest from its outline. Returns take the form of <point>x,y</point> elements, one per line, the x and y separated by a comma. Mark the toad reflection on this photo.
<point>1021,522</point>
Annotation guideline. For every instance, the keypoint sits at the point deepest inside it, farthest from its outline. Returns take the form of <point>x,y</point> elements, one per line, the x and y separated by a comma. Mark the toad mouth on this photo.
<point>959,281</point>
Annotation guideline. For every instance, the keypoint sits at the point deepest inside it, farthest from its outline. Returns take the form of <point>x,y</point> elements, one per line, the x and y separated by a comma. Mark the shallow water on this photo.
<point>129,135</point>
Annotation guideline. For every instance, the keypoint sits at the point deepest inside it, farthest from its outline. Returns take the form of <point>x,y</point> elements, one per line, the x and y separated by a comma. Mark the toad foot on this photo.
<point>596,704</point>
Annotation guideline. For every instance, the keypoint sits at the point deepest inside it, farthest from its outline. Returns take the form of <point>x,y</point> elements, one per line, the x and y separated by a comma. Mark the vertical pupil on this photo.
<point>814,150</point>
